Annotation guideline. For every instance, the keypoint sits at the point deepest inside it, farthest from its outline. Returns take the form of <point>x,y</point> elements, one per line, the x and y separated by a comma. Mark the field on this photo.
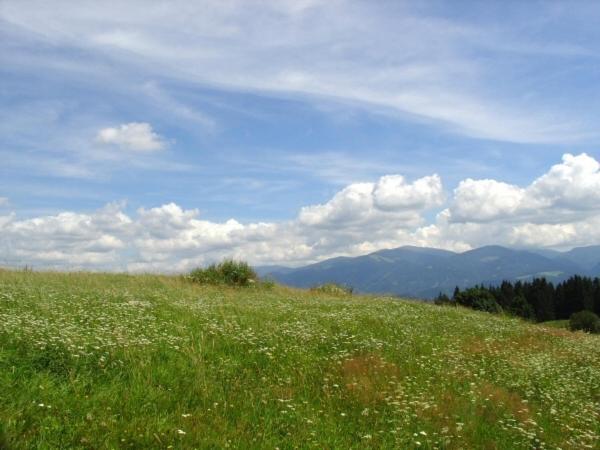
<point>120,361</point>
<point>557,324</point>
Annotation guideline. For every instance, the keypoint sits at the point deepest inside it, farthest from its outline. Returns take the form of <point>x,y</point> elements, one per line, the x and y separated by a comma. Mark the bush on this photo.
<point>443,299</point>
<point>478,298</point>
<point>229,272</point>
<point>332,289</point>
<point>267,284</point>
<point>585,321</point>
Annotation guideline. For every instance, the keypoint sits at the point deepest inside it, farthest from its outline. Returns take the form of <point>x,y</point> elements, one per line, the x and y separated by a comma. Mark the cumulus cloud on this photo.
<point>561,208</point>
<point>569,190</point>
<point>135,136</point>
<point>351,205</point>
<point>521,234</point>
<point>67,239</point>
<point>484,200</point>
<point>168,229</point>
<point>360,218</point>
<point>392,192</point>
<point>391,198</point>
<point>572,185</point>
<point>350,223</point>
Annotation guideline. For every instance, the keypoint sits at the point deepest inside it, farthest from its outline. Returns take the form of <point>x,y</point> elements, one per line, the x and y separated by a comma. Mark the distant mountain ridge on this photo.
<point>425,272</point>
<point>586,257</point>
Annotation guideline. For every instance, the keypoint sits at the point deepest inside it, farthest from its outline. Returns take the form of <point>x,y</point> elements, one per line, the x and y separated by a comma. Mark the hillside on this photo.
<point>425,272</point>
<point>119,361</point>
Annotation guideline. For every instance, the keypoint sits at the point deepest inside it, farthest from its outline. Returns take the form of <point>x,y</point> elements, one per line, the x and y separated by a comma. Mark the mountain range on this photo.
<point>422,272</point>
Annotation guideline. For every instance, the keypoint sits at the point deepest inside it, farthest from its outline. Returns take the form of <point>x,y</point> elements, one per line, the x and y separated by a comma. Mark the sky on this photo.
<point>159,136</point>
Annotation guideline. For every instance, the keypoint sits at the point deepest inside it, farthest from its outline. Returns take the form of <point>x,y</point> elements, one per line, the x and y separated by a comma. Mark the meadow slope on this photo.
<point>120,361</point>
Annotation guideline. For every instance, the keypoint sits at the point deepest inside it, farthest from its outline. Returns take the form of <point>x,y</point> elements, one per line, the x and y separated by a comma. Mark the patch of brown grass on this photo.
<point>367,377</point>
<point>531,341</point>
<point>500,400</point>
<point>560,332</point>
<point>476,346</point>
<point>442,412</point>
<point>283,392</point>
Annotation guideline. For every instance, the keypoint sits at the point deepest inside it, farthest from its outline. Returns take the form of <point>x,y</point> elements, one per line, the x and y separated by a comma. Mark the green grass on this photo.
<point>118,361</point>
<point>564,324</point>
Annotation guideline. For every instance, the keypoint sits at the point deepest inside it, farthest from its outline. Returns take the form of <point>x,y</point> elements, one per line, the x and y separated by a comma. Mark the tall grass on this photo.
<point>332,289</point>
<point>117,361</point>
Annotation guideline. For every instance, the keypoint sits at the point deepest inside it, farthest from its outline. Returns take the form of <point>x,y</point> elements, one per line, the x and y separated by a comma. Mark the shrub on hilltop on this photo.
<point>229,273</point>
<point>332,289</point>
<point>585,321</point>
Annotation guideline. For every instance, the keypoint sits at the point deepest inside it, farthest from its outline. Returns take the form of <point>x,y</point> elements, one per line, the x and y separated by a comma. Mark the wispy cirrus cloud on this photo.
<point>407,61</point>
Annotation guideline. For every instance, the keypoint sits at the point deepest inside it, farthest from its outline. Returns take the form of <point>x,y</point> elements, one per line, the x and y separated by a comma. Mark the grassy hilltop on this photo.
<point>118,361</point>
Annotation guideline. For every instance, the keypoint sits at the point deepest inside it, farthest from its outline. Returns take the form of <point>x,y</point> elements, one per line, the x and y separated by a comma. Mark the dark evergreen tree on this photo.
<point>541,298</point>
<point>443,299</point>
<point>597,296</point>
<point>537,300</point>
<point>573,295</point>
<point>505,295</point>
<point>520,307</point>
<point>560,300</point>
<point>478,298</point>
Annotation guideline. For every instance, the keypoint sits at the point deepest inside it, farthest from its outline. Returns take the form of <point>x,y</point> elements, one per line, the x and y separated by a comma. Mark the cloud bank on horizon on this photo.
<point>131,133</point>
<point>559,208</point>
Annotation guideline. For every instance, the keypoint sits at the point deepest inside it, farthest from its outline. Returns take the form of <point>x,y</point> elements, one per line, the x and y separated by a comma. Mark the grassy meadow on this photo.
<point>120,361</point>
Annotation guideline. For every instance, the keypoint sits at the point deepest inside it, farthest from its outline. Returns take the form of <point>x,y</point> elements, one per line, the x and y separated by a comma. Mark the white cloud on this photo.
<point>484,200</point>
<point>360,218</point>
<point>134,136</point>
<point>67,239</point>
<point>3,201</point>
<point>572,185</point>
<point>559,209</point>
<point>368,204</point>
<point>569,190</point>
<point>544,235</point>
<point>393,193</point>
<point>352,204</point>
<point>170,238</point>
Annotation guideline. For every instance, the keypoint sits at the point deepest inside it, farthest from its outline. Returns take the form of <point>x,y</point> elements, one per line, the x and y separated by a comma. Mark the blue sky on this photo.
<point>202,112</point>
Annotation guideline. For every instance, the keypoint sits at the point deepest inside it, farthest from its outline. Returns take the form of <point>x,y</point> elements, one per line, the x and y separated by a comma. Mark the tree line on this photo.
<point>537,300</point>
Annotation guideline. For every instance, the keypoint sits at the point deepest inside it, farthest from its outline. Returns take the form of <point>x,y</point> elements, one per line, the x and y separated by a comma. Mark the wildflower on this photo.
<point>180,432</point>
